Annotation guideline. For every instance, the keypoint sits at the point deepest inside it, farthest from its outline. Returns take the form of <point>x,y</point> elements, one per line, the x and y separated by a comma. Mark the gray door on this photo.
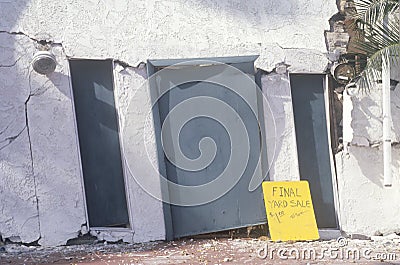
<point>239,207</point>
<point>92,83</point>
<point>313,145</point>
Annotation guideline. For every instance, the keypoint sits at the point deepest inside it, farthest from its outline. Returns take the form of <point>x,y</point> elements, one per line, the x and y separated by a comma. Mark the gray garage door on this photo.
<point>239,207</point>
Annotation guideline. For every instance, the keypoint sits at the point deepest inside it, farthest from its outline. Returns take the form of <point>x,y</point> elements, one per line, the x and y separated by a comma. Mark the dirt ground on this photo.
<point>211,250</point>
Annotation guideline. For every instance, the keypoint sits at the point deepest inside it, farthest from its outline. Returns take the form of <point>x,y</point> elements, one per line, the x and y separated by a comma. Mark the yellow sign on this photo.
<point>290,212</point>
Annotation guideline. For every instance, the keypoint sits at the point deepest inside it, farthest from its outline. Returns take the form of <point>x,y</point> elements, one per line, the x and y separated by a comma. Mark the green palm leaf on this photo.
<point>373,11</point>
<point>377,21</point>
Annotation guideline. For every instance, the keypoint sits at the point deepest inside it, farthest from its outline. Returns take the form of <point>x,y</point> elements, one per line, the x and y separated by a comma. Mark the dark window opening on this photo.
<point>92,84</point>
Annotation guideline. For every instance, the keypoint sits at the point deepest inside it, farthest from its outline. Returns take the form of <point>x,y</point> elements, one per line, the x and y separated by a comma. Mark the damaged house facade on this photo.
<point>96,102</point>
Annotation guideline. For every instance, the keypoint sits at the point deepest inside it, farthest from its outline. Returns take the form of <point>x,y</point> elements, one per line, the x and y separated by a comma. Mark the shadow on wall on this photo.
<point>362,124</point>
<point>10,12</point>
<point>367,117</point>
<point>370,162</point>
<point>395,98</point>
<point>367,126</point>
<point>56,79</point>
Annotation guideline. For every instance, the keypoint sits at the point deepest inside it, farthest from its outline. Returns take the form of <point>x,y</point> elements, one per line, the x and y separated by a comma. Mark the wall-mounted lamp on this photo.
<point>343,72</point>
<point>44,62</point>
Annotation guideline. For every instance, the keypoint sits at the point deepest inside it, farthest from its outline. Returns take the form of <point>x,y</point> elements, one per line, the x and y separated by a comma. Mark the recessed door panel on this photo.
<point>238,207</point>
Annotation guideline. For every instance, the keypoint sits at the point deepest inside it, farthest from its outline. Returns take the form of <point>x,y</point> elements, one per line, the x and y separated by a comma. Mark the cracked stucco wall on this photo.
<point>48,196</point>
<point>54,151</point>
<point>18,196</point>
<point>281,145</point>
<point>136,31</point>
<point>134,104</point>
<point>41,192</point>
<point>366,207</point>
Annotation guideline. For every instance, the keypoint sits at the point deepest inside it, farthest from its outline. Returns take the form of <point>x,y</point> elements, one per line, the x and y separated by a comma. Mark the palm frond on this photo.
<point>377,21</point>
<point>372,72</point>
<point>378,37</point>
<point>373,11</point>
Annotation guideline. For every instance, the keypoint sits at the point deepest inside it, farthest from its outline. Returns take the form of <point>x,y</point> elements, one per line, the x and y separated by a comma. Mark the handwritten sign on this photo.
<point>290,212</point>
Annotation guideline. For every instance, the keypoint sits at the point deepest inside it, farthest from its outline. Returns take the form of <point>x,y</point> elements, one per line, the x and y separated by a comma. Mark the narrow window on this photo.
<point>92,84</point>
<point>313,145</point>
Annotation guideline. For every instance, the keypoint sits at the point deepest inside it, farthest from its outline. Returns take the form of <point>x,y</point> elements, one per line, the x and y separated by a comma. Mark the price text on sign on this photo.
<point>290,212</point>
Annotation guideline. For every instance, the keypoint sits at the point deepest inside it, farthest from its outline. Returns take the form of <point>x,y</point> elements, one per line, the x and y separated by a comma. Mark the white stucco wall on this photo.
<point>136,31</point>
<point>19,218</point>
<point>139,145</point>
<point>56,164</point>
<point>366,206</point>
<point>281,145</point>
<point>41,190</point>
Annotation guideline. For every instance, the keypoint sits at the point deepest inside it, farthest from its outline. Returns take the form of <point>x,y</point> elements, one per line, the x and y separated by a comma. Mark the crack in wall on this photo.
<point>20,33</point>
<point>11,139</point>
<point>31,153</point>
<point>296,48</point>
<point>10,65</point>
<point>45,44</point>
<point>126,65</point>
<point>39,44</point>
<point>5,129</point>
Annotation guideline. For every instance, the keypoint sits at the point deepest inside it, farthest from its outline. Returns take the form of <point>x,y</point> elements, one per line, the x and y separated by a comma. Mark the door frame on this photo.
<point>329,233</point>
<point>130,227</point>
<point>153,65</point>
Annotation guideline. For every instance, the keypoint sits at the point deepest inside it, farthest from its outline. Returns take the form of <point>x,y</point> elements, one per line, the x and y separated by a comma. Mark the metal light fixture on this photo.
<point>343,72</point>
<point>44,62</point>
